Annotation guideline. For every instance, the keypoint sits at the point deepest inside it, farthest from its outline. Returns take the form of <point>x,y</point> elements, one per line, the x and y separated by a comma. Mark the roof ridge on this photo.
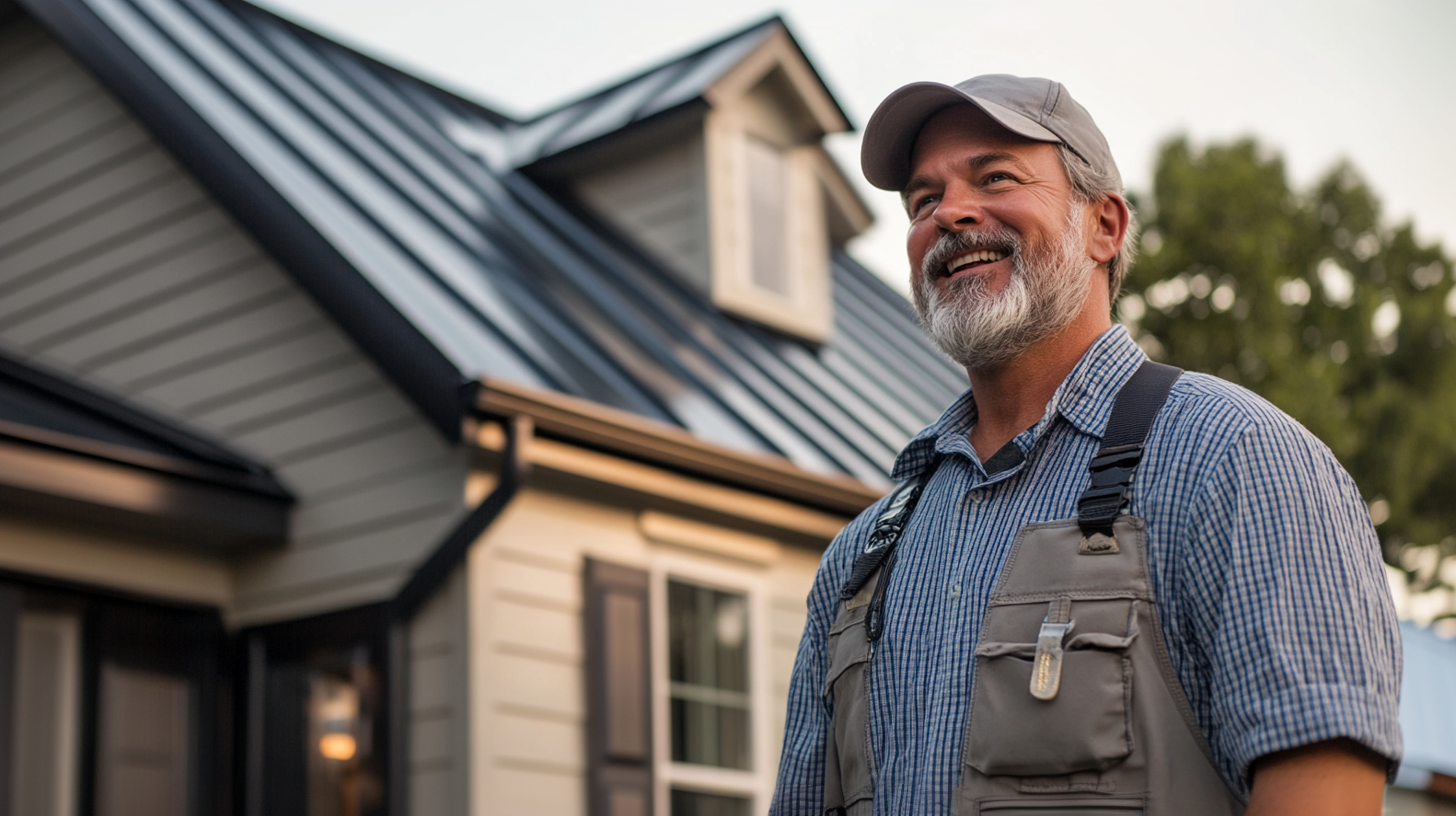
<point>643,74</point>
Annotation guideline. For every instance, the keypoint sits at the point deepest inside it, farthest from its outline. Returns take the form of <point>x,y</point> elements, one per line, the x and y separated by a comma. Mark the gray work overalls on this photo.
<point>1075,708</point>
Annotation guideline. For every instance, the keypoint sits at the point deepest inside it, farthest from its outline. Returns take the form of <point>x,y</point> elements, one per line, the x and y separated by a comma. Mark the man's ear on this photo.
<point>1107,218</point>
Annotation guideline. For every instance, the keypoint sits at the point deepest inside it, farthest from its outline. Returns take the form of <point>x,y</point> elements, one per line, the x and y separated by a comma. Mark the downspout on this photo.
<point>426,580</point>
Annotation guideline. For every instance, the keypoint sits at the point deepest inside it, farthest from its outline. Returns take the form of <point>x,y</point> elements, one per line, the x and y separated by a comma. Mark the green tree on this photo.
<point>1310,300</point>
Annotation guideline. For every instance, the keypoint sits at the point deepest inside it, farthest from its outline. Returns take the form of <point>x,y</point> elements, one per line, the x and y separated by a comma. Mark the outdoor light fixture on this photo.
<point>337,746</point>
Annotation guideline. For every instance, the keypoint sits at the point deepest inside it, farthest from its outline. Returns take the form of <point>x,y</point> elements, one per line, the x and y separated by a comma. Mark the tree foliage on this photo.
<point>1309,299</point>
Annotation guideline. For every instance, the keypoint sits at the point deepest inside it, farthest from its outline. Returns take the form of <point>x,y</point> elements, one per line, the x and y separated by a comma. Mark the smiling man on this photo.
<point>1103,585</point>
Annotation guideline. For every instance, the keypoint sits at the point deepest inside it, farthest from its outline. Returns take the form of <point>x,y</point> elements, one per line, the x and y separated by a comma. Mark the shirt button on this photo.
<point>977,497</point>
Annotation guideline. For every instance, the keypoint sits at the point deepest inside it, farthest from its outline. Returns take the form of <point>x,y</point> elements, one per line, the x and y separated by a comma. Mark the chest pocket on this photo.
<point>1043,709</point>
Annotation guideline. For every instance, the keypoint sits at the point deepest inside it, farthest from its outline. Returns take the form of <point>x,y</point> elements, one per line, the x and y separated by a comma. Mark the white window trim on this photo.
<point>807,311</point>
<point>757,782</point>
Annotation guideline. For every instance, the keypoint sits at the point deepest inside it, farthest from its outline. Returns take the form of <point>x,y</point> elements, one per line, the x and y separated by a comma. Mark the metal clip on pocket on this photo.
<point>1046,665</point>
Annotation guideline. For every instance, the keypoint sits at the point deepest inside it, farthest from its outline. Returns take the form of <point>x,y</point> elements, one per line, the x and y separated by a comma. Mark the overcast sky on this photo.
<point>1371,81</point>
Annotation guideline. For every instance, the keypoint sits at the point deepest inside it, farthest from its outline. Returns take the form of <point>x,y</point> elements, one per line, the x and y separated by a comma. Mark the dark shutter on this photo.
<point>619,691</point>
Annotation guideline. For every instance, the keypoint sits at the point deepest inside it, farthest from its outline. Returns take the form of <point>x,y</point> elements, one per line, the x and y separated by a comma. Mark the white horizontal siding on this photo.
<point>119,269</point>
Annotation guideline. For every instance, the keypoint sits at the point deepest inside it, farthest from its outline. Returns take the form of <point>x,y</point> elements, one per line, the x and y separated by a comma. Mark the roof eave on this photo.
<point>170,505</point>
<point>634,437</point>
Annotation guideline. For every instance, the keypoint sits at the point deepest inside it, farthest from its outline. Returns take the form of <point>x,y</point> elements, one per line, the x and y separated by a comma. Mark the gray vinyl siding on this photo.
<point>117,268</point>
<point>660,199</point>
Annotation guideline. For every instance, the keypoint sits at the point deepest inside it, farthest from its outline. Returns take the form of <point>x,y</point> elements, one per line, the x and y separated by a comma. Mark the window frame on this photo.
<point>755,783</point>
<point>805,309</point>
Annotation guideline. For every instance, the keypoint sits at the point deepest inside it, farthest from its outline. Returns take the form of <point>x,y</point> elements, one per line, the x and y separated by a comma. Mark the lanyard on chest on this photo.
<point>1112,470</point>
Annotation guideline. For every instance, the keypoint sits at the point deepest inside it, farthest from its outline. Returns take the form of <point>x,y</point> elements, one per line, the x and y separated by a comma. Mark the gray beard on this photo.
<point>984,331</point>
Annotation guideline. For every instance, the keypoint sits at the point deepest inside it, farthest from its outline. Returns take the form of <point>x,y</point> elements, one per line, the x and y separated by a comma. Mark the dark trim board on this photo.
<point>430,380</point>
<point>61,485</point>
<point>98,413</point>
<point>8,11</point>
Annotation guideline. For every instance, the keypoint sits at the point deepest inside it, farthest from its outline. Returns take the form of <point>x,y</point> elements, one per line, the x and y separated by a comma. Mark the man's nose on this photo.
<point>957,210</point>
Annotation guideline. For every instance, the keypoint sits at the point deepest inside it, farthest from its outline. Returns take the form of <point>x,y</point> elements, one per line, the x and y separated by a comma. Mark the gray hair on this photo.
<point>1090,186</point>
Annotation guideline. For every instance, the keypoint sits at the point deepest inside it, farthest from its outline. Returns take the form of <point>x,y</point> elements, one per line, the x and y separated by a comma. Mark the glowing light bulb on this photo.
<point>337,746</point>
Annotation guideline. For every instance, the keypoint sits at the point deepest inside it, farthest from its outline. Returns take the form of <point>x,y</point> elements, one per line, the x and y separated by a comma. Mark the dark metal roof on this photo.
<point>69,452</point>
<point>655,92</point>
<point>42,408</point>
<point>380,194</point>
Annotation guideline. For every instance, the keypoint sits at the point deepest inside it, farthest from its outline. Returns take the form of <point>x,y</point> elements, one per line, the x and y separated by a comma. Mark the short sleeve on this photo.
<point>1287,606</point>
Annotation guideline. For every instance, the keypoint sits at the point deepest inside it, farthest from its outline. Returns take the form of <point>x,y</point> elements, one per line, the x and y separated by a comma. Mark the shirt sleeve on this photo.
<point>1289,614</point>
<point>800,787</point>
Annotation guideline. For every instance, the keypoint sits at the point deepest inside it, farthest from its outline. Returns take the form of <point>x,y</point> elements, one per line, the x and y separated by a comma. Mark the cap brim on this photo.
<point>891,132</point>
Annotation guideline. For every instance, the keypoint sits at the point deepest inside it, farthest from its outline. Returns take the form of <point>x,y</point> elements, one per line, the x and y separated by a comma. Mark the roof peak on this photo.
<point>751,31</point>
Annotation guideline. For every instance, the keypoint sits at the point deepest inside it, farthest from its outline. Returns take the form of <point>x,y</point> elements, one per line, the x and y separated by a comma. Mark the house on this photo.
<point>1426,783</point>
<point>368,451</point>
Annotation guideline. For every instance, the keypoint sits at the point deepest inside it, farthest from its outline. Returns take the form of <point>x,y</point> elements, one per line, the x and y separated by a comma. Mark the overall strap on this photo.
<point>1133,411</point>
<point>879,550</point>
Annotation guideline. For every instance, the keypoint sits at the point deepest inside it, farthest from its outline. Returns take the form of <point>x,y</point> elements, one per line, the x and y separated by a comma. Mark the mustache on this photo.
<point>948,246</point>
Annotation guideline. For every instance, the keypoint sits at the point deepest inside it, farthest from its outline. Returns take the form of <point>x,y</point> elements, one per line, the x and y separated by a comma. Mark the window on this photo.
<point>769,224</point>
<point>344,777</point>
<point>707,647</point>
<point>710,690</point>
<point>768,238</point>
<point>317,699</point>
<point>677,689</point>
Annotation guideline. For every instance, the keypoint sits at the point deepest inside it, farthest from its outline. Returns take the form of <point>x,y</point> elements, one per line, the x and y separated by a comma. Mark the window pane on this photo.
<point>692,803</point>
<point>343,770</point>
<point>708,670</point>
<point>767,208</point>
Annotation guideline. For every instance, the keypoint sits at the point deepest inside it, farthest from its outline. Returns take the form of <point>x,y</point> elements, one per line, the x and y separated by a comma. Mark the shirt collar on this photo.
<point>1084,399</point>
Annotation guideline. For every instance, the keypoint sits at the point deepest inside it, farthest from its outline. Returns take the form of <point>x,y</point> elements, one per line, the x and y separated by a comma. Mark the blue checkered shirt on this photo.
<point>1263,561</point>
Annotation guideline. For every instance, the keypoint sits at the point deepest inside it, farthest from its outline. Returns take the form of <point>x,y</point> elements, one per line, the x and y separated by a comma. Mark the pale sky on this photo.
<point>1371,81</point>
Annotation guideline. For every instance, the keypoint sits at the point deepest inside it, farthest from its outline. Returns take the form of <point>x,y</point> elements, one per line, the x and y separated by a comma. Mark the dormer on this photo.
<point>725,181</point>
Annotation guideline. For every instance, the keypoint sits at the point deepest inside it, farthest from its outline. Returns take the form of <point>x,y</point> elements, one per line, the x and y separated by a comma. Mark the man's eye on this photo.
<point>922,202</point>
<point>992,178</point>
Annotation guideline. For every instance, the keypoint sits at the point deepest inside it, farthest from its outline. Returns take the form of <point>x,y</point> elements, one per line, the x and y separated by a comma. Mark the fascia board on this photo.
<point>779,50</point>
<point>194,512</point>
<point>628,435</point>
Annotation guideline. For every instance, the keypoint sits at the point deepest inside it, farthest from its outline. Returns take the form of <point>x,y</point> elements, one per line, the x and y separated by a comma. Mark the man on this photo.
<point>1206,627</point>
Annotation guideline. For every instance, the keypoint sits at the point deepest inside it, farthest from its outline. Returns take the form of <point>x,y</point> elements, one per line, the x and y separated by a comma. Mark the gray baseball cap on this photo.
<point>1039,109</point>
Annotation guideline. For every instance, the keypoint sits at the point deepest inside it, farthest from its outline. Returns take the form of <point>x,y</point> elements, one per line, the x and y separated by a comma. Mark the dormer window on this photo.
<point>740,199</point>
<point>776,200</point>
<point>767,178</point>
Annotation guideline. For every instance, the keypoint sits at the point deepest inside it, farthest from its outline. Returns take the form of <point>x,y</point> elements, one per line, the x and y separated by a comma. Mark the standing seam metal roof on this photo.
<point>415,190</point>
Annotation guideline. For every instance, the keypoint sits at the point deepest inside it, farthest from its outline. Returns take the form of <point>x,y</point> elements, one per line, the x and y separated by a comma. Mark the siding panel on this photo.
<point>31,295</point>
<point>438,743</point>
<point>54,136</point>
<point>117,268</point>
<point>662,201</point>
<point>33,180</point>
